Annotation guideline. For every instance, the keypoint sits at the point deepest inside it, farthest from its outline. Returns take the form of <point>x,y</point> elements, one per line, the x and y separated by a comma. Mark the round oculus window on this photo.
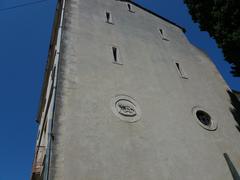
<point>204,119</point>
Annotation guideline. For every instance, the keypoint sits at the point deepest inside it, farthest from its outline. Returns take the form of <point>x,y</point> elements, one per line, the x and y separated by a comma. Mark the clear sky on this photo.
<point>25,29</point>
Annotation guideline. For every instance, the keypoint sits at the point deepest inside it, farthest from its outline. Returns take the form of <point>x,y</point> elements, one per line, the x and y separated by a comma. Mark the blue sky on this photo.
<point>25,32</point>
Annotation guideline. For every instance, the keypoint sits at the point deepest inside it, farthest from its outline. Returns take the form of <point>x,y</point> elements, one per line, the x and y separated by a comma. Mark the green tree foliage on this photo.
<point>221,18</point>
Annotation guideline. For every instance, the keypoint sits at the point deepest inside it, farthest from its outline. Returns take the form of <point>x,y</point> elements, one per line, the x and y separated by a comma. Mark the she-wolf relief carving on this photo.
<point>126,108</point>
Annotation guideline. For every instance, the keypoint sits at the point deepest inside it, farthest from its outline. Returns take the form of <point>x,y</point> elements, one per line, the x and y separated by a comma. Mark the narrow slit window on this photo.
<point>161,32</point>
<point>109,18</point>
<point>163,35</point>
<point>116,56</point>
<point>130,8</point>
<point>181,71</point>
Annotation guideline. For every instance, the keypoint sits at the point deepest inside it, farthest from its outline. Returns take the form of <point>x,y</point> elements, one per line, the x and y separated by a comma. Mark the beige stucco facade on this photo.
<point>129,113</point>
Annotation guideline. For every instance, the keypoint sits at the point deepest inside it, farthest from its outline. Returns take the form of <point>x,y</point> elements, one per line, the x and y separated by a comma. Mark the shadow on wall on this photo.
<point>235,110</point>
<point>232,168</point>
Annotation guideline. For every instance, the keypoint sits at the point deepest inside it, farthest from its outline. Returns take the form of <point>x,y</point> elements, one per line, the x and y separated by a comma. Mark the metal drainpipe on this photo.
<point>56,64</point>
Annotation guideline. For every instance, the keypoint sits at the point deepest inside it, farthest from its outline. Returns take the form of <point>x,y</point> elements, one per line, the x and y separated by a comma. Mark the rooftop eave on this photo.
<point>153,13</point>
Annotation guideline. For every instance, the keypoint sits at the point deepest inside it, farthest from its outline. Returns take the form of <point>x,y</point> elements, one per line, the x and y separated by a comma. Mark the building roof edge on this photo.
<point>155,14</point>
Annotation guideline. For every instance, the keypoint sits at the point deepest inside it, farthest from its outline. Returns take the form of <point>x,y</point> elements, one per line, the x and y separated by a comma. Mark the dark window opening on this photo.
<point>180,71</point>
<point>178,67</point>
<point>115,57</point>
<point>204,118</point>
<point>163,35</point>
<point>109,18</point>
<point>161,31</point>
<point>130,8</point>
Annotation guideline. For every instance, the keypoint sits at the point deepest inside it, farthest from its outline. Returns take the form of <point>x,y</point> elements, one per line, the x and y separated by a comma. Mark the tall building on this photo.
<point>127,97</point>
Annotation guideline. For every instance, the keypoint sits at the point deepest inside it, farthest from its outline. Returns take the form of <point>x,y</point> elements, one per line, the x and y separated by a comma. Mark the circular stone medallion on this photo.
<point>126,108</point>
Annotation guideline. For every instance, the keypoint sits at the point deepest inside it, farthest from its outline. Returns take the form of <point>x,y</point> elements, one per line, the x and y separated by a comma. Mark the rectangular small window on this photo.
<point>163,35</point>
<point>109,18</point>
<point>181,71</point>
<point>116,55</point>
